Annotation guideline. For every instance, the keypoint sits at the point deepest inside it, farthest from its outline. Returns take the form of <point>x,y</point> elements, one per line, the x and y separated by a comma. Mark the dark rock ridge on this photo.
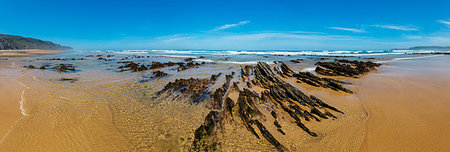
<point>71,80</point>
<point>13,42</point>
<point>311,79</point>
<point>64,67</point>
<point>247,111</point>
<point>193,88</point>
<point>59,68</point>
<point>130,65</point>
<point>156,65</point>
<point>347,68</point>
<point>159,74</point>
<point>276,92</point>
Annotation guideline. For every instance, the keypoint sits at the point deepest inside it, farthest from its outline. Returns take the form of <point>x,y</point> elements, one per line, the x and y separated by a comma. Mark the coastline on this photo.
<point>27,52</point>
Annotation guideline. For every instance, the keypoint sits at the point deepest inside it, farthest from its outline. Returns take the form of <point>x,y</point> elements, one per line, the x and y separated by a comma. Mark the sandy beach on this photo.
<point>400,107</point>
<point>25,53</point>
<point>10,93</point>
<point>408,106</point>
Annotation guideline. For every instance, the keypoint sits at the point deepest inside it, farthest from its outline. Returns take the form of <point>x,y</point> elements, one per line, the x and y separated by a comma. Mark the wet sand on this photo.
<point>408,103</point>
<point>10,93</point>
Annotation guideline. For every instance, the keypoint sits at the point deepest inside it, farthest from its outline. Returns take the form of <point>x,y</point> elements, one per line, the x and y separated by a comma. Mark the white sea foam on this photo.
<point>273,52</point>
<point>21,104</point>
<point>309,69</point>
<point>203,60</point>
<point>177,56</point>
<point>408,58</point>
<point>244,62</point>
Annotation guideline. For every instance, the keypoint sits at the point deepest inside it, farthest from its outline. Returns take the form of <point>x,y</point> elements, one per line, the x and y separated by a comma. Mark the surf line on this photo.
<point>21,104</point>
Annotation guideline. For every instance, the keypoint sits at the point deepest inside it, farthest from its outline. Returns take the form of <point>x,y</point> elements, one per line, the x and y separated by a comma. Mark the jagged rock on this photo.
<point>273,114</point>
<point>188,66</point>
<point>245,70</point>
<point>206,130</point>
<point>194,88</point>
<point>287,96</point>
<point>346,68</point>
<point>248,110</point>
<point>313,80</point>
<point>266,134</point>
<point>219,94</point>
<point>159,74</point>
<point>201,57</point>
<point>296,61</point>
<point>229,104</point>
<point>71,80</point>
<point>284,70</point>
<point>30,66</point>
<point>189,59</point>
<point>281,131</point>
<point>156,65</point>
<point>323,104</point>
<point>133,66</point>
<point>64,67</point>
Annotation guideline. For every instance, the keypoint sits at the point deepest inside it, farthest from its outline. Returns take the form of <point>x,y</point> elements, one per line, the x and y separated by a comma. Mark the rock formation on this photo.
<point>347,68</point>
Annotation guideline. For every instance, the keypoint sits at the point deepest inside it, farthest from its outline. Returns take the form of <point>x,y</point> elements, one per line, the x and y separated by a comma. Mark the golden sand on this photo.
<point>10,97</point>
<point>409,106</point>
<point>24,53</point>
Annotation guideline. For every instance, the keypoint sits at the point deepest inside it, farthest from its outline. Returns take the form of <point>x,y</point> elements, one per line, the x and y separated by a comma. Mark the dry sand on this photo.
<point>24,53</point>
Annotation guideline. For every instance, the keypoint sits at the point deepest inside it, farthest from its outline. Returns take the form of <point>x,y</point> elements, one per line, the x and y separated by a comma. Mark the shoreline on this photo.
<point>28,52</point>
<point>11,90</point>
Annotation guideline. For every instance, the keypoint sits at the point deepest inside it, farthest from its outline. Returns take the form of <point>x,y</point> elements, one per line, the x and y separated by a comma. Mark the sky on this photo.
<point>230,24</point>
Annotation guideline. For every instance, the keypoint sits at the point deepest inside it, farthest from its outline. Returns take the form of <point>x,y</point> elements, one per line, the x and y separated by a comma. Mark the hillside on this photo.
<point>13,42</point>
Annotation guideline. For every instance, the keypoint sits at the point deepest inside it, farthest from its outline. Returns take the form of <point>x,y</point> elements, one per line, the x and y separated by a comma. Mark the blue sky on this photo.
<point>230,24</point>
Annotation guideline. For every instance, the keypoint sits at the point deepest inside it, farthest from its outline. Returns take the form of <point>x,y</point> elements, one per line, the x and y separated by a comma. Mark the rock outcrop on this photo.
<point>347,68</point>
<point>276,92</point>
<point>311,79</point>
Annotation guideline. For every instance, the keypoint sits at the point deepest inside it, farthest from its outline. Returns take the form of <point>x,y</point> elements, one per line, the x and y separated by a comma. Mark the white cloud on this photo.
<point>175,37</point>
<point>349,29</point>
<point>444,22</point>
<point>397,27</point>
<point>227,26</point>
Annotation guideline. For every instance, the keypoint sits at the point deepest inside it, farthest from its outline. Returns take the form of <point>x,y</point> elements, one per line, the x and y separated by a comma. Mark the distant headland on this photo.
<point>14,42</point>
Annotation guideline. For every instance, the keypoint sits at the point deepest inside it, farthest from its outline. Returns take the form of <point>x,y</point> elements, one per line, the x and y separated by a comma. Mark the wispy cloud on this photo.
<point>349,29</point>
<point>397,27</point>
<point>446,22</point>
<point>282,35</point>
<point>227,26</point>
<point>175,37</point>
